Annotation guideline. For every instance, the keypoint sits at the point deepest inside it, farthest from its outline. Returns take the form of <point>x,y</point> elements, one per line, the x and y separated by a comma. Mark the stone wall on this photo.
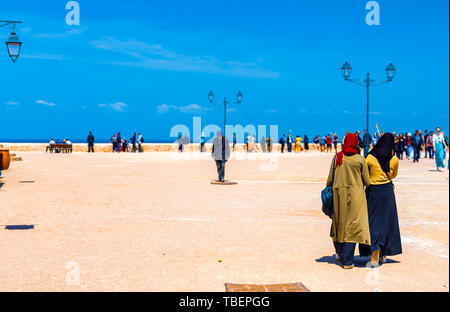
<point>147,147</point>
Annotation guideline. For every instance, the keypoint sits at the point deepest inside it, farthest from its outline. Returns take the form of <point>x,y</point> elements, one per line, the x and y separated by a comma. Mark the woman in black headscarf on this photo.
<point>383,218</point>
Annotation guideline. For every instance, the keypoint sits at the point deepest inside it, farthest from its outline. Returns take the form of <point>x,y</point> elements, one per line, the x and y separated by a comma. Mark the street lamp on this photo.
<point>224,102</point>
<point>13,44</point>
<point>346,70</point>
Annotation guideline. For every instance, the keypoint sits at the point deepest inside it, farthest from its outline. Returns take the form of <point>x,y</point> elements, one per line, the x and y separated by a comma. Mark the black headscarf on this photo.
<point>383,151</point>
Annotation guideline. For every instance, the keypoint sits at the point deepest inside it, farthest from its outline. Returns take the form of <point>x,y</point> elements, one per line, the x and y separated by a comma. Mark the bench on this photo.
<point>60,147</point>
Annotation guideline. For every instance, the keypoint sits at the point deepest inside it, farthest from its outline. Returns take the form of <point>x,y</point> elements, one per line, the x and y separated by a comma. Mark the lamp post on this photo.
<point>224,102</point>
<point>346,70</point>
<point>13,43</point>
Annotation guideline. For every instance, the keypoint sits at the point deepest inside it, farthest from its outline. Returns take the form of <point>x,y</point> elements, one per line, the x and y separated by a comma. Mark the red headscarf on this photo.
<point>349,148</point>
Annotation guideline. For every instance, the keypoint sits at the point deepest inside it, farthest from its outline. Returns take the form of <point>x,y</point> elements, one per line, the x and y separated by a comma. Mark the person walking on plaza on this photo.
<point>367,140</point>
<point>382,208</point>
<point>374,139</point>
<point>298,142</point>
<point>350,221</point>
<point>254,147</point>
<point>425,139</point>
<point>90,141</point>
<point>282,143</point>
<point>220,153</point>
<point>269,144</point>
<point>445,144</point>
<point>180,143</point>
<point>429,145</point>
<point>203,142</point>
<point>417,142</point>
<point>322,143</point>
<point>360,142</point>
<point>408,145</point>
<point>306,143</point>
<point>438,142</point>
<point>262,142</point>
<point>335,142</point>
<point>119,140</point>
<point>289,143</point>
<point>329,141</point>
<point>114,142</point>
<point>401,146</point>
<point>140,140</point>
<point>133,142</point>
<point>234,142</point>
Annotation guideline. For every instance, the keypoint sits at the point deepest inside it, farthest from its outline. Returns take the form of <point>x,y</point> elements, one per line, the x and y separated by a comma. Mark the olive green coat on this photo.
<point>350,222</point>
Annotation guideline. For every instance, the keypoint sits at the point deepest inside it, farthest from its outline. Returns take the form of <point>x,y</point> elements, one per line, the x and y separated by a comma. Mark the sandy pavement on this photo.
<point>153,222</point>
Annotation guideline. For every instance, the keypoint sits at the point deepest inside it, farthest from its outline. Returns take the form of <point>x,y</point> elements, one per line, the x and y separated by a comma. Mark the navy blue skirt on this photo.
<point>383,220</point>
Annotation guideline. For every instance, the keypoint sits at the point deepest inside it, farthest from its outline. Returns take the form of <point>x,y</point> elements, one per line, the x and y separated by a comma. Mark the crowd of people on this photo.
<point>121,144</point>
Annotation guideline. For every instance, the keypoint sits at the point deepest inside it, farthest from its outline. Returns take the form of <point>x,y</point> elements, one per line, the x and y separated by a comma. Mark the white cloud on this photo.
<point>117,106</point>
<point>271,111</point>
<point>68,33</point>
<point>53,57</point>
<point>193,109</point>
<point>12,103</point>
<point>154,56</point>
<point>45,103</point>
<point>164,108</point>
<point>187,109</point>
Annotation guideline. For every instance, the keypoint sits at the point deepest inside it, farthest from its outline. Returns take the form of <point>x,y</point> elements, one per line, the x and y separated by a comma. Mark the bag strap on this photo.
<point>387,174</point>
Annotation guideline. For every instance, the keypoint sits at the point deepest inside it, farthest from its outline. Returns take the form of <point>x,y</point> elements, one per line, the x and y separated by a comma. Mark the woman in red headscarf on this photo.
<point>350,222</point>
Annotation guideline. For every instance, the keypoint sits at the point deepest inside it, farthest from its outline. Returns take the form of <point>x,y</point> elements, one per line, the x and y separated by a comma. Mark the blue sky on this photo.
<point>148,65</point>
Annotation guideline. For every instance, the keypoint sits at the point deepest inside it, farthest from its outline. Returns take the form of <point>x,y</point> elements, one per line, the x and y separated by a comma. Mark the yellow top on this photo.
<point>376,174</point>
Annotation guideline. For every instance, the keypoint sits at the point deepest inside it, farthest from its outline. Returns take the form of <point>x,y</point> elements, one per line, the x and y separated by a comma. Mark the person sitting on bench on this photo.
<point>49,146</point>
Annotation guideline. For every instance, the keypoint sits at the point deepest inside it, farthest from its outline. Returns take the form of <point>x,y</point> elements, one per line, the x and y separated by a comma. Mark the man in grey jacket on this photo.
<point>221,153</point>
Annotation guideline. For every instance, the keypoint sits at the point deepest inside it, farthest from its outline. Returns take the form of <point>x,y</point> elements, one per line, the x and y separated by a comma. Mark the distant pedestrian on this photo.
<point>114,142</point>
<point>374,139</point>
<point>329,141</point>
<point>289,143</point>
<point>140,142</point>
<point>360,142</point>
<point>262,142</point>
<point>282,142</point>
<point>367,139</point>
<point>118,145</point>
<point>90,141</point>
<point>203,142</point>
<point>306,143</point>
<point>180,143</point>
<point>429,145</point>
<point>408,145</point>
<point>417,142</point>
<point>298,144</point>
<point>220,154</point>
<point>335,142</point>
<point>186,141</point>
<point>133,140</point>
<point>425,139</point>
<point>234,142</point>
<point>438,141</point>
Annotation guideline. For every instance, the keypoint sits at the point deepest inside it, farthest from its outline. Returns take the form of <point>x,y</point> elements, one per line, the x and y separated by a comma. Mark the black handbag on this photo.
<point>327,196</point>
